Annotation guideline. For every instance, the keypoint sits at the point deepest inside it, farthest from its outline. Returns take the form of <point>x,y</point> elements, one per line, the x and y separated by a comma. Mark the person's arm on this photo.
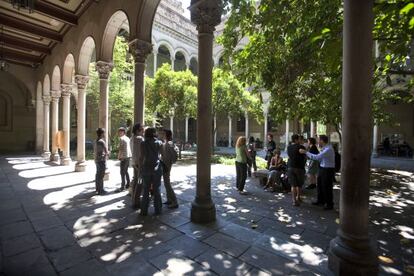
<point>320,156</point>
<point>105,148</point>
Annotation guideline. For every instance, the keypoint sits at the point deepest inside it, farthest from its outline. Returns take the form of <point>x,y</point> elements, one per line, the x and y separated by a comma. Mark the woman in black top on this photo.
<point>251,148</point>
<point>271,146</point>
<point>313,165</point>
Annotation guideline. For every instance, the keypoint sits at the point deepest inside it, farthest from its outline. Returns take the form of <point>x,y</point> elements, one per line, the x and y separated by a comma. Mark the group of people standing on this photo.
<point>151,160</point>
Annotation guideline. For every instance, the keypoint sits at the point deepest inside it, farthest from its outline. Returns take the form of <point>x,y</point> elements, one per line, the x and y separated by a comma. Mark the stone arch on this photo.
<point>194,65</point>
<point>46,85</point>
<point>68,69</point>
<point>167,45</point>
<point>184,53</point>
<point>56,78</point>
<point>119,20</point>
<point>180,61</point>
<point>163,55</point>
<point>217,57</point>
<point>85,55</point>
<point>146,14</point>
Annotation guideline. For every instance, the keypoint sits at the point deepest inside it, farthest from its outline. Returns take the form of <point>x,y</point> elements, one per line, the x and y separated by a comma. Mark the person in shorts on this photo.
<point>296,169</point>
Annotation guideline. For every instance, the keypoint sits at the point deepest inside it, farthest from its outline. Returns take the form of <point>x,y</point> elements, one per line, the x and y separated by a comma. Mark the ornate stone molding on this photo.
<point>206,14</point>
<point>81,81</point>
<point>66,89</point>
<point>140,49</point>
<point>47,99</point>
<point>104,68</point>
<point>55,94</point>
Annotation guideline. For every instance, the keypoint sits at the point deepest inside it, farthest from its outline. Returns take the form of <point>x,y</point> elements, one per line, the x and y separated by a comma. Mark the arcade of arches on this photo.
<point>38,91</point>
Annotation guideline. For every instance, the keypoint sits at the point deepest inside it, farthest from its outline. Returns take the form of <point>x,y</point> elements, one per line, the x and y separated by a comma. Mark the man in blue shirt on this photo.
<point>326,159</point>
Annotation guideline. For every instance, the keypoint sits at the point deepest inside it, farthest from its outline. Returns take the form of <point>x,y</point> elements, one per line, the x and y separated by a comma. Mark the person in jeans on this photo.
<point>101,154</point>
<point>124,155</point>
<point>252,153</point>
<point>242,156</point>
<point>326,159</point>
<point>271,146</point>
<point>151,171</point>
<point>296,169</point>
<point>136,187</point>
<point>169,153</point>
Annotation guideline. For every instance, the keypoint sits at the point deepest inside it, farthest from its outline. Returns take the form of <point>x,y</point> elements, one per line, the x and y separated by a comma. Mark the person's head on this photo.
<point>312,141</point>
<point>295,138</point>
<point>276,152</point>
<point>241,141</point>
<point>121,131</point>
<point>137,129</point>
<point>150,133</point>
<point>269,137</point>
<point>100,132</point>
<point>251,139</point>
<point>301,139</point>
<point>323,140</point>
<point>168,135</point>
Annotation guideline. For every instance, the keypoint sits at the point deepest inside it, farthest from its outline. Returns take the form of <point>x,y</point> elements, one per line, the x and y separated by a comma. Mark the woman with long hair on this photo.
<point>242,157</point>
<point>313,165</point>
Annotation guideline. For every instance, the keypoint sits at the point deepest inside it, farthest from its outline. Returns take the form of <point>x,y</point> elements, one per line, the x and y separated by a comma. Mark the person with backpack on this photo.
<point>151,171</point>
<point>251,147</point>
<point>169,155</point>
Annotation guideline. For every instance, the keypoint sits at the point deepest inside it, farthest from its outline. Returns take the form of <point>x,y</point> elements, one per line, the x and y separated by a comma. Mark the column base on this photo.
<point>345,260</point>
<point>55,157</point>
<point>65,161</point>
<point>46,155</point>
<point>203,211</point>
<point>80,166</point>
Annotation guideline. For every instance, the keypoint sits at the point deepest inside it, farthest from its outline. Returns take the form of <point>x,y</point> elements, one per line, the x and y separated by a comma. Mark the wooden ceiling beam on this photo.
<point>56,13</point>
<point>10,54</point>
<point>30,28</point>
<point>12,41</point>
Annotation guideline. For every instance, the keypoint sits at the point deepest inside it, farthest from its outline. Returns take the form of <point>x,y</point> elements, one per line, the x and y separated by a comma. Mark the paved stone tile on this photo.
<point>287,228</point>
<point>15,229</point>
<point>88,268</point>
<point>56,238</point>
<point>131,266</point>
<point>40,214</point>
<point>315,239</point>
<point>46,223</point>
<point>227,244</point>
<point>33,262</point>
<point>11,216</point>
<point>173,264</point>
<point>69,256</point>
<point>196,231</point>
<point>20,244</point>
<point>6,205</point>
<point>187,246</point>
<point>256,272</point>
<point>240,233</point>
<point>173,220</point>
<point>222,263</point>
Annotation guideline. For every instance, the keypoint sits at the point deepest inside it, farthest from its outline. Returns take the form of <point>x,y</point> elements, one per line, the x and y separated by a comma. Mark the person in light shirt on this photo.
<point>326,158</point>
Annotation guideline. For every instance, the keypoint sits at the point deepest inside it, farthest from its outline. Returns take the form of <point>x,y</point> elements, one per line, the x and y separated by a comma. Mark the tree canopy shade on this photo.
<point>294,50</point>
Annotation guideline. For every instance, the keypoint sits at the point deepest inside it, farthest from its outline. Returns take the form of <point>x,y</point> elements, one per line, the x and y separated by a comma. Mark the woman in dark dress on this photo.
<point>313,165</point>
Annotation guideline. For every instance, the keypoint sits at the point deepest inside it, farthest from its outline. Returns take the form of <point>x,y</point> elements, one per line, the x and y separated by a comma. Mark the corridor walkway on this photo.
<point>52,223</point>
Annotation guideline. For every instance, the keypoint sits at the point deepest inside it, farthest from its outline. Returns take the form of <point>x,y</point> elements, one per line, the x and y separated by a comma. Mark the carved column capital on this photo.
<point>47,99</point>
<point>206,14</point>
<point>55,94</point>
<point>104,68</point>
<point>81,81</point>
<point>140,49</point>
<point>66,90</point>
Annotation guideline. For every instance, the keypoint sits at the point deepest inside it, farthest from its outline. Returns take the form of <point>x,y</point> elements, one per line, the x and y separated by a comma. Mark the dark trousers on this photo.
<point>155,180</point>
<point>241,175</point>
<point>124,172</point>
<point>136,188</point>
<point>100,173</point>
<point>166,171</point>
<point>325,186</point>
<point>253,164</point>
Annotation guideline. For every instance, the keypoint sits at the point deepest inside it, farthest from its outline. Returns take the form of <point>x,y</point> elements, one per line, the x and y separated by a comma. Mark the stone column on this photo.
<point>312,129</point>
<point>66,93</point>
<point>81,81</point>
<point>186,128</point>
<point>351,252</point>
<point>172,123</point>
<point>187,66</point>
<point>55,124</point>
<point>46,136</point>
<point>172,63</point>
<point>140,50</point>
<point>104,68</point>
<point>266,116</point>
<point>155,53</point>
<point>246,117</point>
<point>215,130</point>
<point>375,141</point>
<point>287,135</point>
<point>39,123</point>
<point>230,128</point>
<point>205,15</point>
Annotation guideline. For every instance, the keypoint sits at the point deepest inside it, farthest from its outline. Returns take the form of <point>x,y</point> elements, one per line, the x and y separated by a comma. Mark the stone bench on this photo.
<point>262,176</point>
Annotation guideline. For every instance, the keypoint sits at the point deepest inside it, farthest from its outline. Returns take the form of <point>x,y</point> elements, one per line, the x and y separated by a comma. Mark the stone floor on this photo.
<point>52,223</point>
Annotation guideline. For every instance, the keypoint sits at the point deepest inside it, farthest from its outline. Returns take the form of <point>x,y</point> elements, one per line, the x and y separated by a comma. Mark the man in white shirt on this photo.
<point>124,155</point>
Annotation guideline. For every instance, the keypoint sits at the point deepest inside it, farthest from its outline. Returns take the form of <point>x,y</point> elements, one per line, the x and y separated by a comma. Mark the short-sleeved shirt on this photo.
<point>241,156</point>
<point>100,150</point>
<point>296,159</point>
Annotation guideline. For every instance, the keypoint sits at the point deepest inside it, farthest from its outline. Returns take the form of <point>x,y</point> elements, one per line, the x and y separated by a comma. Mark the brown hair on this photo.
<point>241,141</point>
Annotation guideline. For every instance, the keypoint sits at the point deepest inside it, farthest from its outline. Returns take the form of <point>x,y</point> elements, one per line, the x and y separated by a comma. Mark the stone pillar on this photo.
<point>215,130</point>
<point>66,93</point>
<point>266,116</point>
<point>186,128</point>
<point>351,252</point>
<point>173,63</point>
<point>39,123</point>
<point>230,129</point>
<point>140,50</point>
<point>375,141</point>
<point>104,68</point>
<point>205,15</point>
<point>172,123</point>
<point>246,117</point>
<point>46,136</point>
<point>312,129</point>
<point>155,60</point>
<point>187,66</point>
<point>287,135</point>
<point>81,81</point>
<point>55,124</point>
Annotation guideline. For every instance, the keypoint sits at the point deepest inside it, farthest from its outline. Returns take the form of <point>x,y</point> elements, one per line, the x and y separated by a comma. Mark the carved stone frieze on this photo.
<point>104,68</point>
<point>81,81</point>
<point>140,49</point>
<point>206,14</point>
<point>66,89</point>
